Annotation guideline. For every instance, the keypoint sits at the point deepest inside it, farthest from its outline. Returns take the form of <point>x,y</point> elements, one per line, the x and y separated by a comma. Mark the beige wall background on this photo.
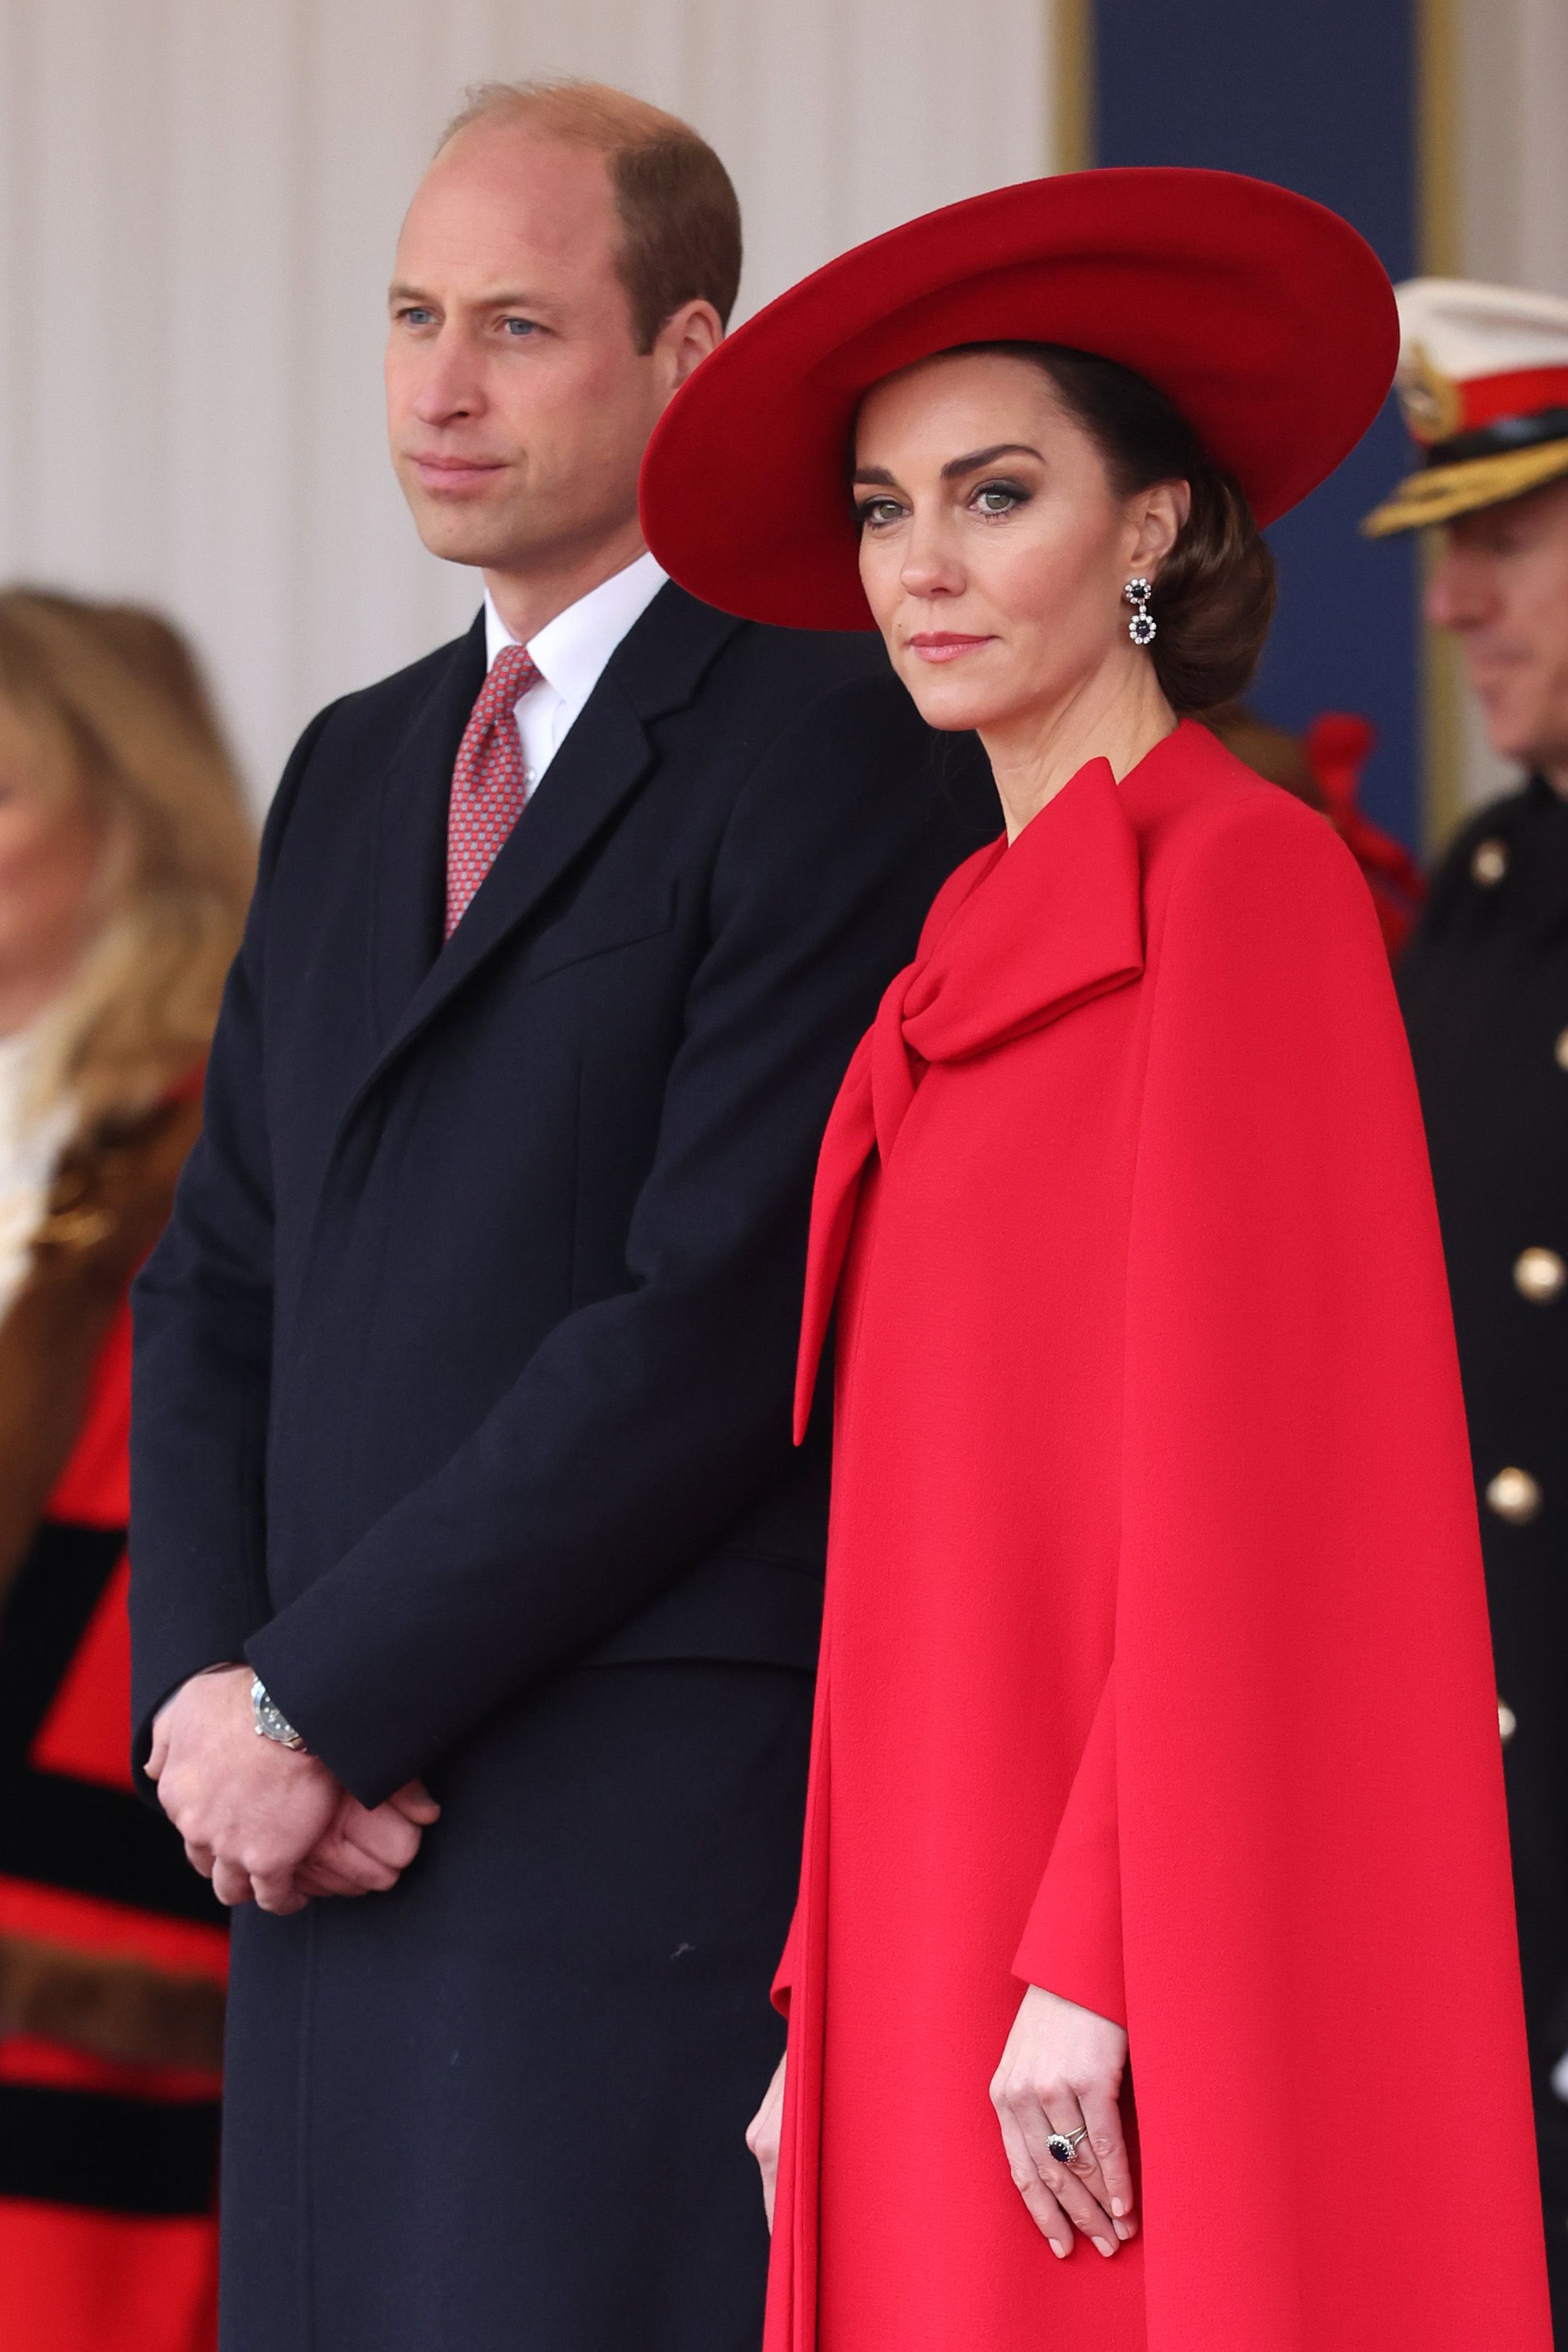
<point>198,203</point>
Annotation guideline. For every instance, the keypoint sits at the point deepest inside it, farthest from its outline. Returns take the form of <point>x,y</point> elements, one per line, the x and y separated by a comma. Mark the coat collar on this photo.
<point>1044,924</point>
<point>1021,936</point>
<point>411,833</point>
<point>658,668</point>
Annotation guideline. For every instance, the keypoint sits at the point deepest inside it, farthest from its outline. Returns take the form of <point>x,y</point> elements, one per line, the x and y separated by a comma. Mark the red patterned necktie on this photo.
<point>490,781</point>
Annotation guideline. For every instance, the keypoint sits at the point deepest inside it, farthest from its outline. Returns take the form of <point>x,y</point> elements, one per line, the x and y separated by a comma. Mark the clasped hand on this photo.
<point>270,1823</point>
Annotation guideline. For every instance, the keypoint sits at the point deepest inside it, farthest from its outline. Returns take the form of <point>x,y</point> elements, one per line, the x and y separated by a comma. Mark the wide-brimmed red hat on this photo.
<point>1264,316</point>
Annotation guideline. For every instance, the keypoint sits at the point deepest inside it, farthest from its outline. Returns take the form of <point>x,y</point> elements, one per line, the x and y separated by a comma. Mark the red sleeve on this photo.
<point>1072,1943</point>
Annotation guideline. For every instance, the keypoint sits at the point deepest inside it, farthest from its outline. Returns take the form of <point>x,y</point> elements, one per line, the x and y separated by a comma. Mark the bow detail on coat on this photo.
<point>1021,934</point>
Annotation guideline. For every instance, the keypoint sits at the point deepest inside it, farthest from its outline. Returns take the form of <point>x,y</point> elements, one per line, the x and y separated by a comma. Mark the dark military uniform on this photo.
<point>1485,990</point>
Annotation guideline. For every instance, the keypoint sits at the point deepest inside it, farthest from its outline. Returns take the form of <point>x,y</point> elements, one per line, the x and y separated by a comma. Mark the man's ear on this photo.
<point>684,341</point>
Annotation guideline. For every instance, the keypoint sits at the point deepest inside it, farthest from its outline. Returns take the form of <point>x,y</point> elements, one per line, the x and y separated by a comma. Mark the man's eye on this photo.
<point>415,314</point>
<point>520,327</point>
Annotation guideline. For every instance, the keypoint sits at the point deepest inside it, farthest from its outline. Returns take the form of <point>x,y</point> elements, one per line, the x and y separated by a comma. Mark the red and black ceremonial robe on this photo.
<point>112,1951</point>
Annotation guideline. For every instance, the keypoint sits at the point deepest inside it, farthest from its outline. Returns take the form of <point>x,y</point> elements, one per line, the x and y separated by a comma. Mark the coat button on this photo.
<point>1514,1496</point>
<point>1539,1276</point>
<point>1561,1049</point>
<point>1507,1721</point>
<point>1489,863</point>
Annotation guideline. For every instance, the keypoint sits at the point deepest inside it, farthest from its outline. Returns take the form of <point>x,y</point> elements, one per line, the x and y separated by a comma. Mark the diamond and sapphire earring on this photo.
<point>1141,627</point>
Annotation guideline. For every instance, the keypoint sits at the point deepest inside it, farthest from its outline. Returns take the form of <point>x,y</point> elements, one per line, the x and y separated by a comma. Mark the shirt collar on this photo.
<point>571,651</point>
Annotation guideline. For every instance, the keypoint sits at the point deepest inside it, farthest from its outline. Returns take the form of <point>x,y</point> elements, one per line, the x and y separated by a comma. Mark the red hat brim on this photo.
<point>1264,316</point>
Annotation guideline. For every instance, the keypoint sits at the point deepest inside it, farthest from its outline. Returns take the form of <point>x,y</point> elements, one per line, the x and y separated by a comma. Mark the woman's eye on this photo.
<point>1000,497</point>
<point>877,513</point>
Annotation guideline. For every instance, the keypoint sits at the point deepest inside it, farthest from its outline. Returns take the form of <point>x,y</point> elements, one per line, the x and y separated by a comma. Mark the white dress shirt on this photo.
<point>570,654</point>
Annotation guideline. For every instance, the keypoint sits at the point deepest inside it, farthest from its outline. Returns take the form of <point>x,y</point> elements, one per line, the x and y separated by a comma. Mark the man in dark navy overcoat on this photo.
<point>462,1471</point>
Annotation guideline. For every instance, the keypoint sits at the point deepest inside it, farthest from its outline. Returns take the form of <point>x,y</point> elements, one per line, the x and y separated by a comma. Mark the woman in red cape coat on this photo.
<point>1154,1629</point>
<point>1155,1672</point>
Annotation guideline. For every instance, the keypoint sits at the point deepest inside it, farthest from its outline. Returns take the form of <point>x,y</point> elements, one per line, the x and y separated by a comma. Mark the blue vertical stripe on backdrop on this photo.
<point>1322,97</point>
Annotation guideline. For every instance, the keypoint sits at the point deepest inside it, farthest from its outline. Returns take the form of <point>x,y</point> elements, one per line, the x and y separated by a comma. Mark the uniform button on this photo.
<point>1561,1049</point>
<point>1539,1276</point>
<point>1507,1721</point>
<point>1514,1496</point>
<point>1489,863</point>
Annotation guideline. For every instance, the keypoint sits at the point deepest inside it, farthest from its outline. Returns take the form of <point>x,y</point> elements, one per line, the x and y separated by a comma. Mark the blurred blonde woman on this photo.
<point>125,861</point>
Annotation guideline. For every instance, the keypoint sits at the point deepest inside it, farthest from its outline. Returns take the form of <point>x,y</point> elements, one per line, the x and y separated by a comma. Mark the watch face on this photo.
<point>271,1720</point>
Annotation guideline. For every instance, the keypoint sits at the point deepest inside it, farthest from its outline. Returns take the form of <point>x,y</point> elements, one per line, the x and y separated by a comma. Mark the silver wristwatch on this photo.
<point>271,1722</point>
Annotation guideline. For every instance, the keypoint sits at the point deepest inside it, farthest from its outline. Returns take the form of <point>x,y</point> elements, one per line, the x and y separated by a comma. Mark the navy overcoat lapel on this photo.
<point>605,756</point>
<point>410,849</point>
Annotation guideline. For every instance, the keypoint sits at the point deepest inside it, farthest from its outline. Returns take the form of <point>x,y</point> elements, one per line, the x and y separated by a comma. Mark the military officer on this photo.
<point>1484,385</point>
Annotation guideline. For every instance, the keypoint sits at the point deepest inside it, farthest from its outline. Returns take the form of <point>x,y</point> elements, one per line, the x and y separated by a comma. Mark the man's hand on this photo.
<point>248,1809</point>
<point>366,1852</point>
<point>267,1822</point>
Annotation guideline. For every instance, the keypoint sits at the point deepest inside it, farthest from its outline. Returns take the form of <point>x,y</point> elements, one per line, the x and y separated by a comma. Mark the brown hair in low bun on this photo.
<point>1213,596</point>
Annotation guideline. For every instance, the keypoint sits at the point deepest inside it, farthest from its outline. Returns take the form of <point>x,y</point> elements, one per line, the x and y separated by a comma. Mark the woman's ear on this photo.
<point>1159,513</point>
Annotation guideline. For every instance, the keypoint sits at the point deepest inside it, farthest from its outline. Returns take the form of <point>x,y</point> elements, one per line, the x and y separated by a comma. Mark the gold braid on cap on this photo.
<point>1440,492</point>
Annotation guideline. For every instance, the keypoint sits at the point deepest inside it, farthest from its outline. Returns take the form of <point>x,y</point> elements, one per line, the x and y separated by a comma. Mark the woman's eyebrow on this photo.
<point>955,467</point>
<point>978,457</point>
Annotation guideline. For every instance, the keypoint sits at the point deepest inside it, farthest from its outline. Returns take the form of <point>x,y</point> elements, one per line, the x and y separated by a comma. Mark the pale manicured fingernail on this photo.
<point>1105,2245</point>
<point>1060,2252</point>
<point>1122,2231</point>
<point>1117,2207</point>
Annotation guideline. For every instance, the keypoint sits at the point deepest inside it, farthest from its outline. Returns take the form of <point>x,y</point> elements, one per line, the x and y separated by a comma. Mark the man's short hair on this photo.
<point>678,207</point>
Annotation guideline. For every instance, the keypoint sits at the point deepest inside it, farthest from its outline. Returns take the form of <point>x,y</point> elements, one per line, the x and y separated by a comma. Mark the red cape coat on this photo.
<point>1156,1666</point>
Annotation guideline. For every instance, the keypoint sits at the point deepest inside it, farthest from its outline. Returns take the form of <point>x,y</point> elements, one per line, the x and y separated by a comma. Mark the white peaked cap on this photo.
<point>1483,384</point>
<point>1468,331</point>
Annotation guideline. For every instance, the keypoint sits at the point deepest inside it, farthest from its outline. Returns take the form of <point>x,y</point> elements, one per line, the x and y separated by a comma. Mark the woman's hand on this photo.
<point>1061,2072</point>
<point>763,2135</point>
